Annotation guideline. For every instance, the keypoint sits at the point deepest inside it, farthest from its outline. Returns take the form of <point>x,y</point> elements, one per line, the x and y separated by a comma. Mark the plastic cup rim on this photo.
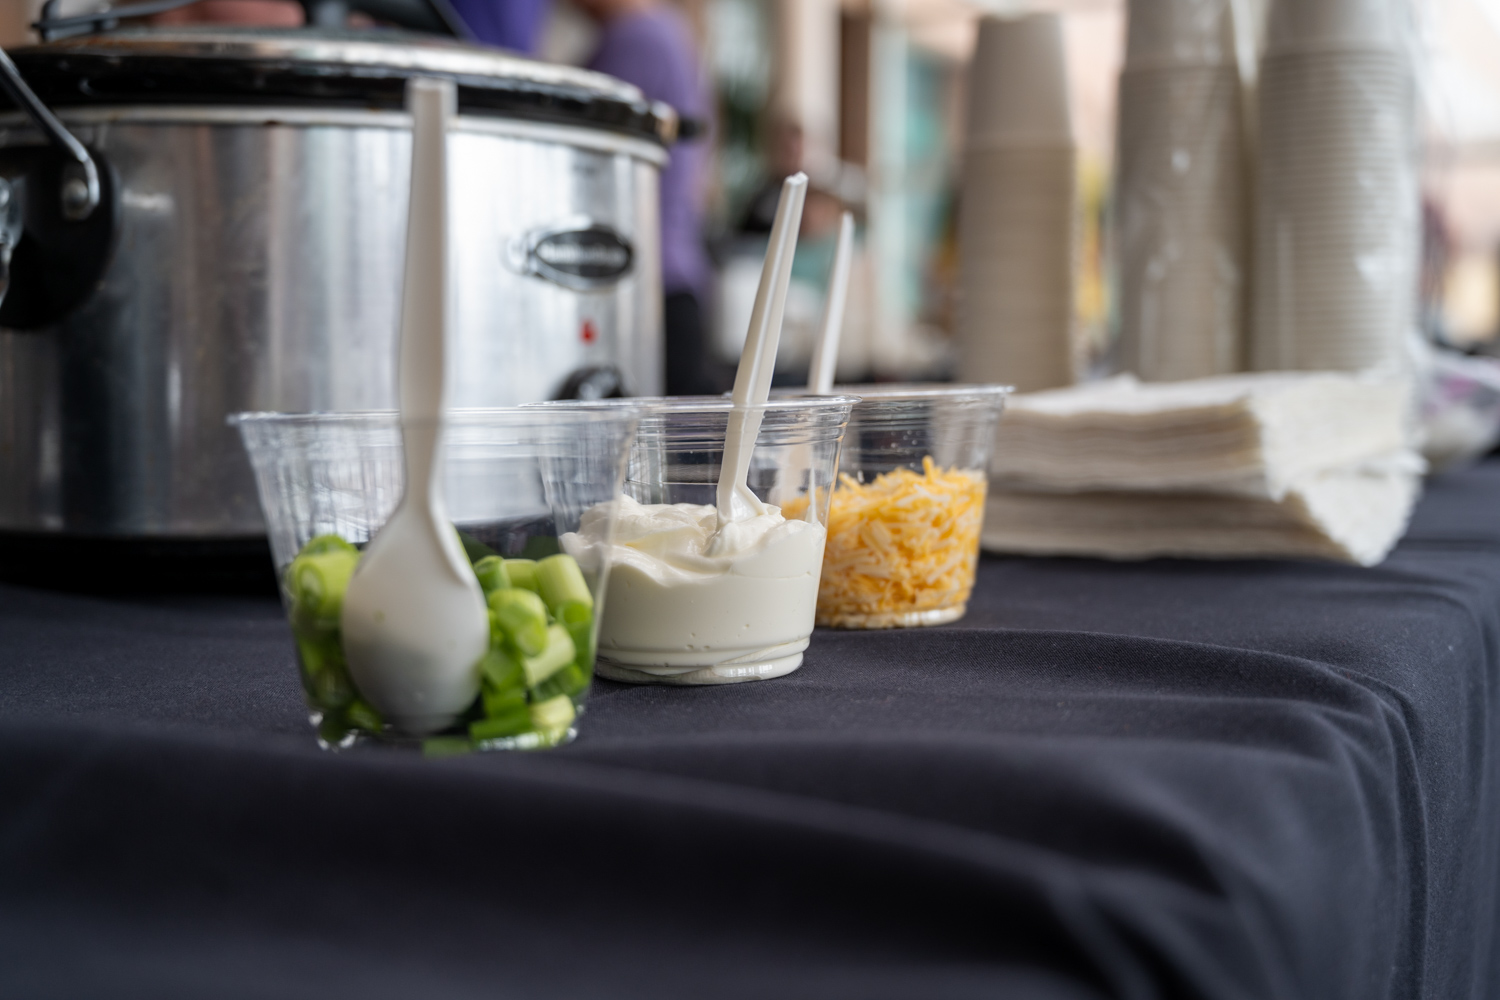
<point>451,416</point>
<point>651,405</point>
<point>884,392</point>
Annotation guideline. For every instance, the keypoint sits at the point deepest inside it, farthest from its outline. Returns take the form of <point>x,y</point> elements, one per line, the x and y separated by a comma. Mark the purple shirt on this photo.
<point>510,24</point>
<point>654,50</point>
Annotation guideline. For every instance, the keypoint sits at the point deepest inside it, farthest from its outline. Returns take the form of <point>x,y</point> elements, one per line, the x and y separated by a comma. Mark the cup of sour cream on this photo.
<point>693,600</point>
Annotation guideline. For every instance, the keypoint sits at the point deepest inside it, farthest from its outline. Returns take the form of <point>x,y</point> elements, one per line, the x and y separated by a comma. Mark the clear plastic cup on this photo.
<point>905,518</point>
<point>516,482</point>
<point>689,604</point>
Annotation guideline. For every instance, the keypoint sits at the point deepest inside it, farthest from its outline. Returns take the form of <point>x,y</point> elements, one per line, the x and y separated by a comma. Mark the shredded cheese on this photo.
<point>899,546</point>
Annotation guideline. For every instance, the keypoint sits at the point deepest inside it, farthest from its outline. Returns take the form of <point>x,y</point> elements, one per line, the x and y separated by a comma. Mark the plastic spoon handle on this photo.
<point>752,381</point>
<point>824,360</point>
<point>424,296</point>
<point>826,355</point>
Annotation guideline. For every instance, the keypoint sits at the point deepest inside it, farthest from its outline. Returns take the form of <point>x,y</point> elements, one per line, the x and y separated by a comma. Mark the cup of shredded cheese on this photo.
<point>905,515</point>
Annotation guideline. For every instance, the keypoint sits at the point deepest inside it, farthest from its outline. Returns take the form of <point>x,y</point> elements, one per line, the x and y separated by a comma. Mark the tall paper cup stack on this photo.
<point>1180,200</point>
<point>1016,222</point>
<point>1337,229</point>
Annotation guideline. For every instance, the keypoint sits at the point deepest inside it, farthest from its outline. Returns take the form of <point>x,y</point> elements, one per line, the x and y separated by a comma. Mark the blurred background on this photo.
<point>867,96</point>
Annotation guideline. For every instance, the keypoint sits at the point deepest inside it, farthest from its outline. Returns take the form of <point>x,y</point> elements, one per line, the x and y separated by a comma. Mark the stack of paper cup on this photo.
<point>1180,197</point>
<point>1016,222</point>
<point>1338,226</point>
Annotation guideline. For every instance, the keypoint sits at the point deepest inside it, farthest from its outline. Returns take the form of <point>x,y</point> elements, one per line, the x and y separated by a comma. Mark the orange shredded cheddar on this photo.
<point>901,546</point>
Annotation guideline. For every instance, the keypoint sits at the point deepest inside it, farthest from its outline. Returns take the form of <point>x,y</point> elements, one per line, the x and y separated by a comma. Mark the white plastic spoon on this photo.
<point>824,360</point>
<point>414,619</point>
<point>826,354</point>
<point>752,381</point>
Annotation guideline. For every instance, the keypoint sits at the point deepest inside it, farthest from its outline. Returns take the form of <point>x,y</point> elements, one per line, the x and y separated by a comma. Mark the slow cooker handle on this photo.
<point>80,182</point>
<point>12,225</point>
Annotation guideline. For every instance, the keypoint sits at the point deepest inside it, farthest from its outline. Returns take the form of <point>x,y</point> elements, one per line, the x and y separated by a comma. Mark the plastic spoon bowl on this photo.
<point>414,619</point>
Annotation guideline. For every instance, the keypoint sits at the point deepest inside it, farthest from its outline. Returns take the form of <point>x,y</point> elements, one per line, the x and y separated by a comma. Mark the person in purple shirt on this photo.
<point>509,24</point>
<point>649,44</point>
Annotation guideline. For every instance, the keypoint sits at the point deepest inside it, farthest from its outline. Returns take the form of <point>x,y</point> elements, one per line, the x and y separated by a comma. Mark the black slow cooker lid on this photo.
<point>322,68</point>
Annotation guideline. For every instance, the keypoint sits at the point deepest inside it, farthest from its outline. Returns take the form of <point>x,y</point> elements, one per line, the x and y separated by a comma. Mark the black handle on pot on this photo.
<point>57,217</point>
<point>52,265</point>
<point>12,224</point>
<point>436,16</point>
<point>80,182</point>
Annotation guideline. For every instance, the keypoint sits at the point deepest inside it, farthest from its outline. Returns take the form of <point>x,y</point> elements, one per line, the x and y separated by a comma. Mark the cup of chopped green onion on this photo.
<point>517,480</point>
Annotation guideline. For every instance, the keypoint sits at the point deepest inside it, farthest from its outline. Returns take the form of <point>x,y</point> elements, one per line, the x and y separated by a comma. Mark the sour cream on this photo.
<point>691,602</point>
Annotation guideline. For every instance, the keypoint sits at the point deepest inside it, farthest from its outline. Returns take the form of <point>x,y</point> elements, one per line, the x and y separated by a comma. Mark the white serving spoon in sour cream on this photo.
<point>414,620</point>
<point>752,381</point>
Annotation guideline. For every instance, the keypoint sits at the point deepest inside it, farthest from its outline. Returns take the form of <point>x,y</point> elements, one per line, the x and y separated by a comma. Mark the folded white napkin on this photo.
<point>1275,464</point>
<point>1355,514</point>
<point>1243,435</point>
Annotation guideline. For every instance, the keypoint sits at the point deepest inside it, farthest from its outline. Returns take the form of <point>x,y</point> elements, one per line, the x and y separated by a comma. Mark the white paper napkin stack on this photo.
<point>1282,464</point>
<point>1016,219</point>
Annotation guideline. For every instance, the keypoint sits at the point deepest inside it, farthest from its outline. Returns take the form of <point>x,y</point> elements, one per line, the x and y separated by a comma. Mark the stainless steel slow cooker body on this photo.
<point>257,252</point>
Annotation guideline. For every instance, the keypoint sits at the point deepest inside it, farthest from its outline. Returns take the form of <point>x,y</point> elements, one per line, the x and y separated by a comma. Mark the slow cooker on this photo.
<point>244,248</point>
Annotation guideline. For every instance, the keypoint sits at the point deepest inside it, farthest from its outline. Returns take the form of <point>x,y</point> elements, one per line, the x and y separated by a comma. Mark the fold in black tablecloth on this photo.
<point>1163,779</point>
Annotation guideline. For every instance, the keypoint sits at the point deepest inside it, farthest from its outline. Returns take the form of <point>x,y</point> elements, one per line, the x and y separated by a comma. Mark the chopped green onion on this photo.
<point>554,713</point>
<point>559,652</point>
<point>500,703</point>
<point>362,715</point>
<point>333,729</point>
<point>522,573</point>
<point>323,544</point>
<point>572,613</point>
<point>578,619</point>
<point>560,582</point>
<point>501,670</point>
<point>492,575</point>
<point>523,618</point>
<point>316,651</point>
<point>446,746</point>
<point>511,724</point>
<point>317,583</point>
<point>332,688</point>
<point>326,679</point>
<point>570,680</point>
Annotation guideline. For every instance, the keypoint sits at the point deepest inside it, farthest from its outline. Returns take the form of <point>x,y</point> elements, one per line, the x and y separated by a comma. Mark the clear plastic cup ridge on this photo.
<point>516,481</point>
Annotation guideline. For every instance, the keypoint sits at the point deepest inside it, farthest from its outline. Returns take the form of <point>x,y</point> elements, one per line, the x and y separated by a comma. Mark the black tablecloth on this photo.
<point>1165,779</point>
